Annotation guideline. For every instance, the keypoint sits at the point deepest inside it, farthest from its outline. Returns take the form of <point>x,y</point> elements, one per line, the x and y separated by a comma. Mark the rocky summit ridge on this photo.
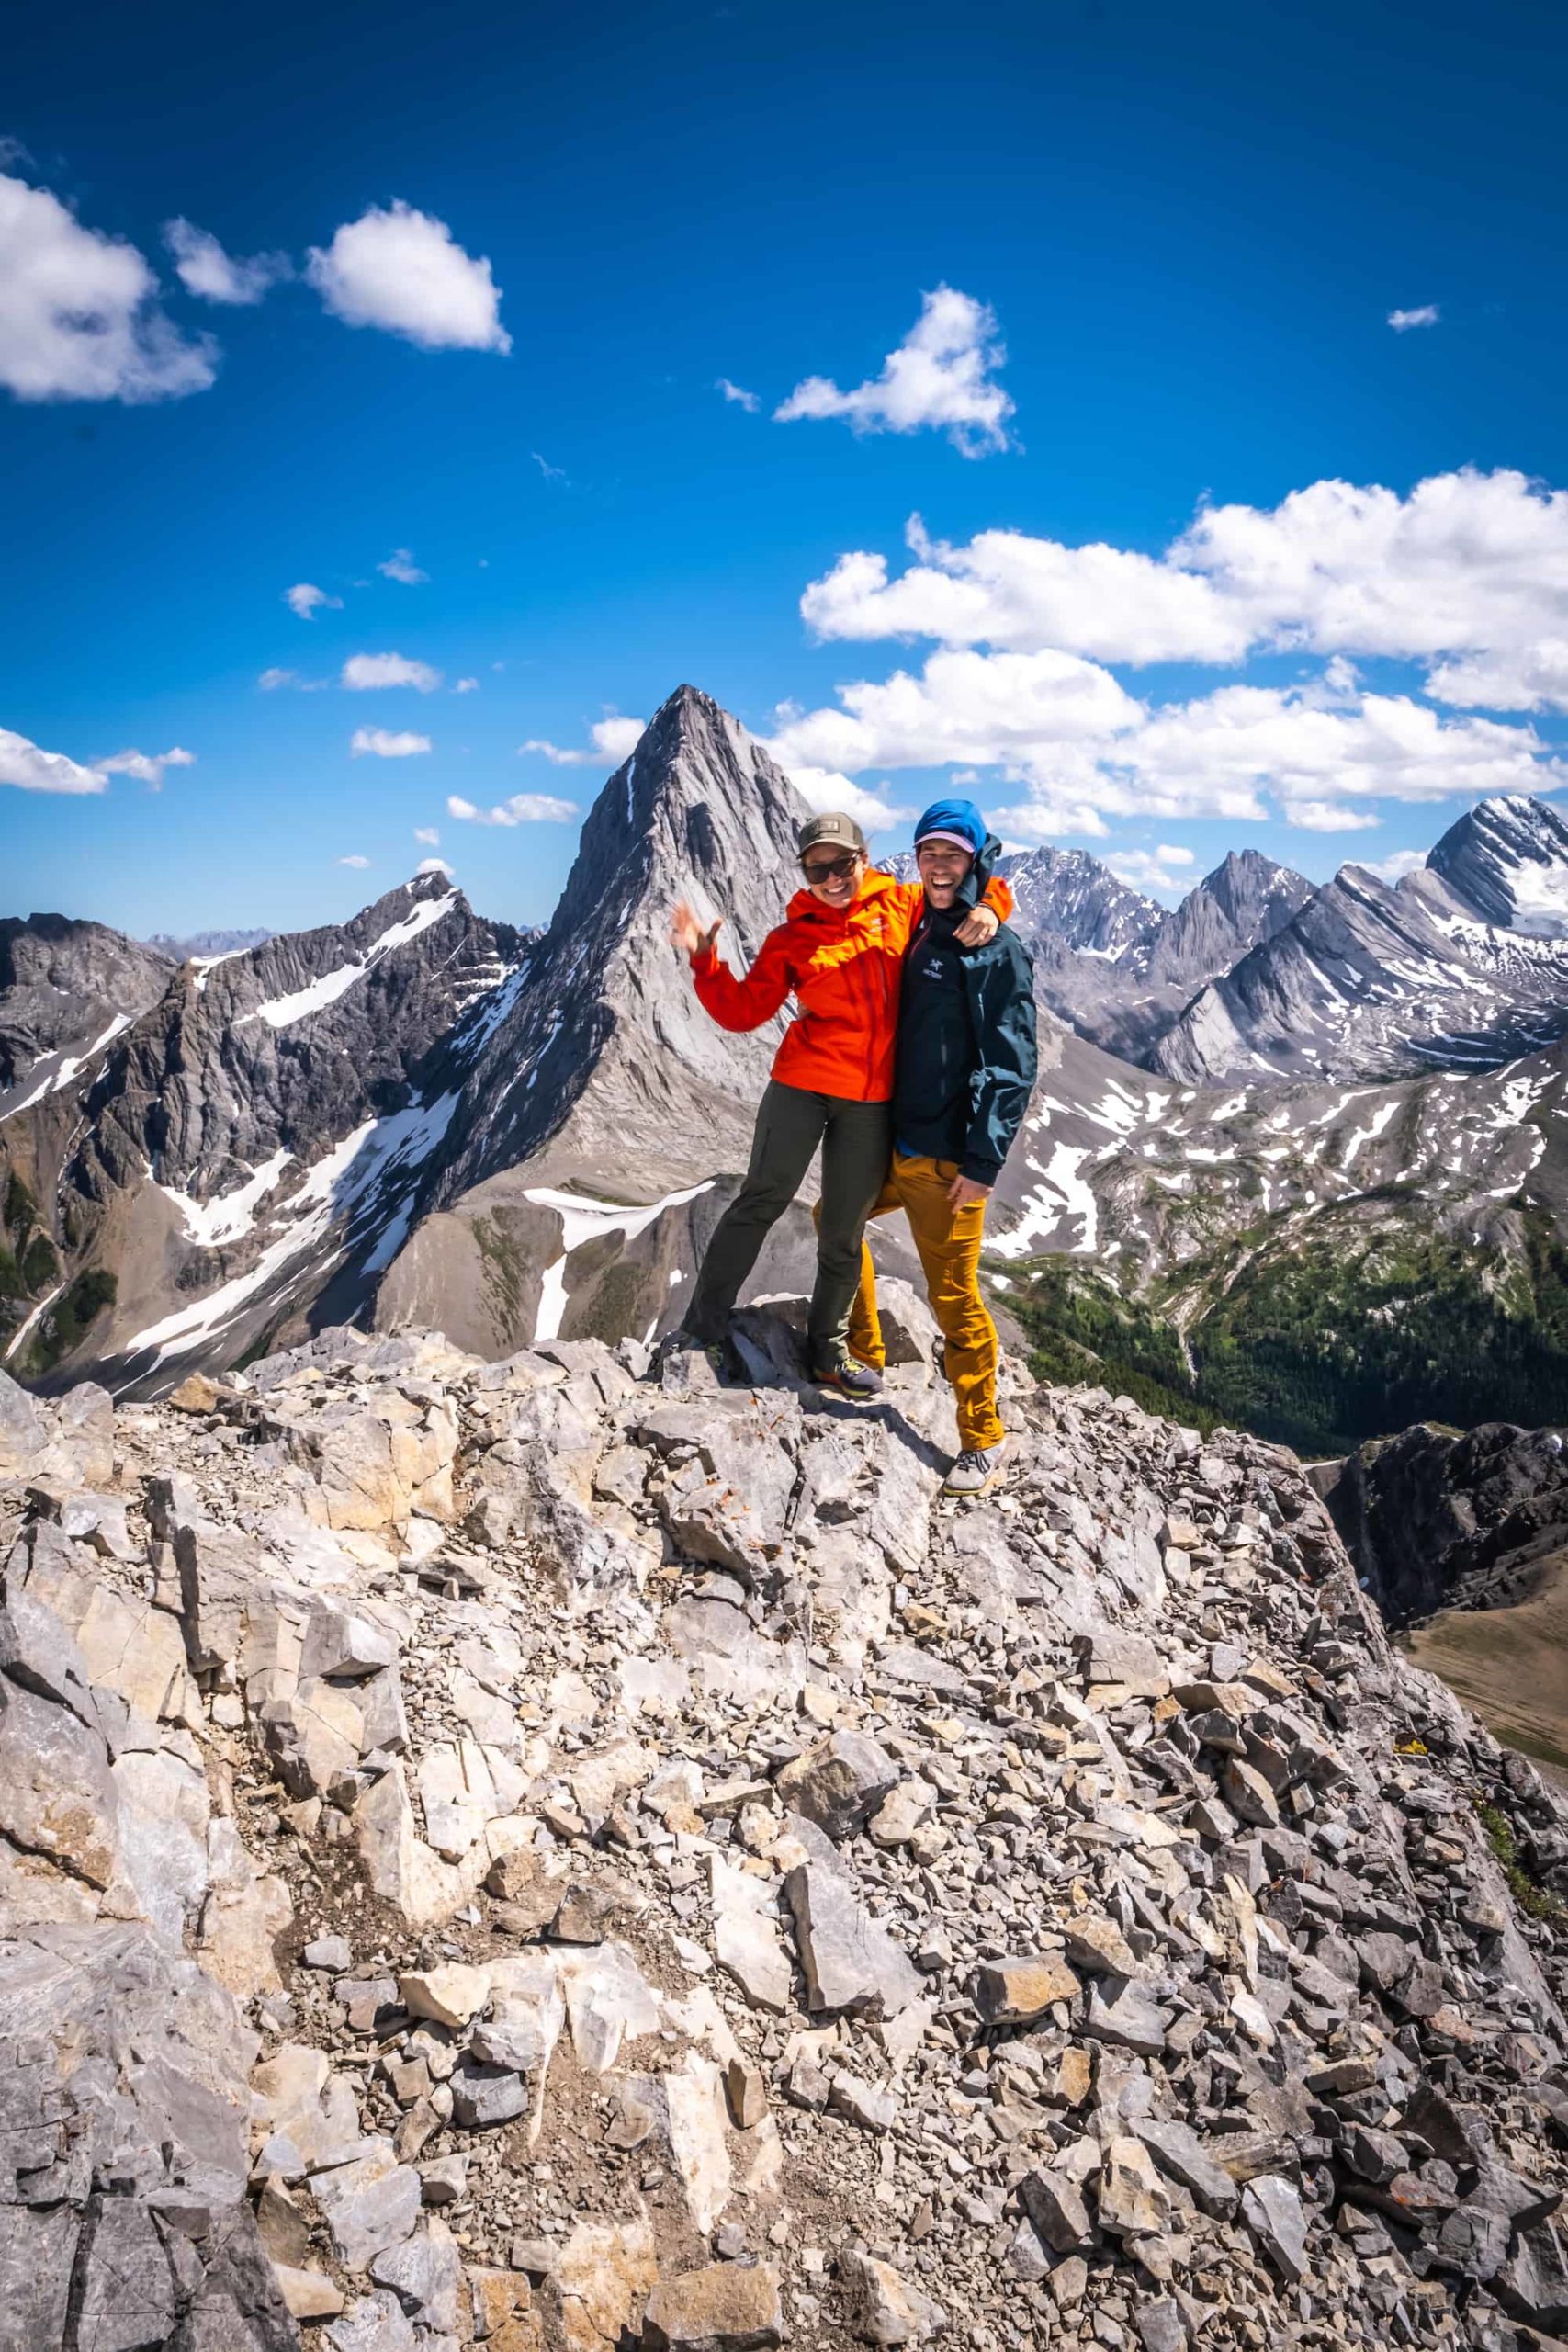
<point>566,1852</point>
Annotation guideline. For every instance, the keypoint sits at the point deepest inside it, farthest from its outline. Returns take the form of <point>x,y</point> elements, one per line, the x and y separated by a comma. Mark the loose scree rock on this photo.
<point>548,1853</point>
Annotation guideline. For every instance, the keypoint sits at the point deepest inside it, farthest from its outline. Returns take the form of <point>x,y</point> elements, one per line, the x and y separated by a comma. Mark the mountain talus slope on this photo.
<point>534,1828</point>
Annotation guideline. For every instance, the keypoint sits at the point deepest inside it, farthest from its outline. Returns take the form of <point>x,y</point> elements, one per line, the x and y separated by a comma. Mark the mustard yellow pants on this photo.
<point>949,1241</point>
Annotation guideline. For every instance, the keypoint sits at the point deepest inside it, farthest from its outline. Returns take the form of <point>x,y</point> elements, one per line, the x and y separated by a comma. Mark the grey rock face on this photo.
<point>63,985</point>
<point>1459,964</point>
<point>1508,858</point>
<point>1077,898</point>
<point>1243,902</point>
<point>123,2098</point>
<point>1434,1521</point>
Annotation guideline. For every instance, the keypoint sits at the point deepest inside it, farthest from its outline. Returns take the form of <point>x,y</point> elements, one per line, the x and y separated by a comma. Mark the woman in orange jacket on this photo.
<point>840,952</point>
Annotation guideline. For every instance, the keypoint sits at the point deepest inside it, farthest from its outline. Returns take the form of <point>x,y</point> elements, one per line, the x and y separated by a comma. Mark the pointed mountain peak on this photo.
<point>1506,861</point>
<point>608,1019</point>
<point>1250,887</point>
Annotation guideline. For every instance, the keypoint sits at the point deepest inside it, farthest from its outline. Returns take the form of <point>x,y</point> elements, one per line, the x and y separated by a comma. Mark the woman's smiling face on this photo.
<point>833,875</point>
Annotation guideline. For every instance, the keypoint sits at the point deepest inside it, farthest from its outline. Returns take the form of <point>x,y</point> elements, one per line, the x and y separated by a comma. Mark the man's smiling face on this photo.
<point>942,868</point>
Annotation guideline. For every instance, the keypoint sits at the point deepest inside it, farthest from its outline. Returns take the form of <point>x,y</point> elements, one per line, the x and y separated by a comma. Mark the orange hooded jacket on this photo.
<point>844,968</point>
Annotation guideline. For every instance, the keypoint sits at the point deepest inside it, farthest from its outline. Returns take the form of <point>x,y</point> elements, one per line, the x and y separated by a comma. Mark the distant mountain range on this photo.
<point>428,1116</point>
<point>207,943</point>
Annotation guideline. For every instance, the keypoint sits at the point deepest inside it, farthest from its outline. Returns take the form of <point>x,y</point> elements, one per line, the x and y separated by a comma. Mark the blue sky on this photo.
<point>1189,231</point>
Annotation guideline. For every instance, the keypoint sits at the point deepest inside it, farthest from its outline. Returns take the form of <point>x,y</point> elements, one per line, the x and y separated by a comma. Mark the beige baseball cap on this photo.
<point>834,828</point>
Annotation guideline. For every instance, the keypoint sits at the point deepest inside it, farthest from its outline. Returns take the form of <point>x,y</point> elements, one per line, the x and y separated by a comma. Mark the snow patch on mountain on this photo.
<point>51,1076</point>
<point>281,1012</point>
<point>585,1220</point>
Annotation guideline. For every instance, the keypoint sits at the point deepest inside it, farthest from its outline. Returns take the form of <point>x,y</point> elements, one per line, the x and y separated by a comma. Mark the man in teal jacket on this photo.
<point>966,1069</point>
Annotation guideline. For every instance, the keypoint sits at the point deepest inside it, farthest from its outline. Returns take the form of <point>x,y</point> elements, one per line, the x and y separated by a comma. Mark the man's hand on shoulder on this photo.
<point>981,923</point>
<point>964,1191</point>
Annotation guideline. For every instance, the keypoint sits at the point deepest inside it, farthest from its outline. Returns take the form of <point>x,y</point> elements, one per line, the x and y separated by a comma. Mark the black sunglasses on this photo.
<point>838,868</point>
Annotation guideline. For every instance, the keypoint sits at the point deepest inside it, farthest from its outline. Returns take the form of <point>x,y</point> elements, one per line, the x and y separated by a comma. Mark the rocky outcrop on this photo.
<point>568,1852</point>
<point>1436,1519</point>
<point>67,988</point>
<point>1244,901</point>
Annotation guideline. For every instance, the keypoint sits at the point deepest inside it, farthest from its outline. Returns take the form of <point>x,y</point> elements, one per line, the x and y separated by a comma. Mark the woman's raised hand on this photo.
<point>688,933</point>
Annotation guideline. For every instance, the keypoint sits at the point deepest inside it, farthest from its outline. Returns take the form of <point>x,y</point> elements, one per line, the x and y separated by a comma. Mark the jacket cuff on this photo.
<point>705,963</point>
<point>980,1172</point>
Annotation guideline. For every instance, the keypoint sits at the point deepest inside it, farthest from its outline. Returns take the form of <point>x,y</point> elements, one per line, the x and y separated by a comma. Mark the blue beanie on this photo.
<point>959,818</point>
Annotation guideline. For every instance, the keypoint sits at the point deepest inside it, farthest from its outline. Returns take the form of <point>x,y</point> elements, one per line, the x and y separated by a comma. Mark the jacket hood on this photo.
<point>972,887</point>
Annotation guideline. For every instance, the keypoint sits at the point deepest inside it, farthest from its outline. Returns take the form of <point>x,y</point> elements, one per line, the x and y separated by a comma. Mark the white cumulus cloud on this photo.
<point>362,672</point>
<point>383,744</point>
<point>79,313</point>
<point>1525,677</point>
<point>1329,816</point>
<point>1396,866</point>
<point>205,269</point>
<point>1402,321</point>
<point>750,401</point>
<point>399,565</point>
<point>1162,868</point>
<point>939,376</point>
<point>433,865</point>
<point>1007,590</point>
<point>1085,750</point>
<point>823,789</point>
<point>358,864</point>
<point>523,809</point>
<point>305,597</point>
<point>614,739</point>
<point>466,687</point>
<point>1466,564</point>
<point>402,270</point>
<point>428,835</point>
<point>148,767</point>
<point>31,770</point>
<point>271,680</point>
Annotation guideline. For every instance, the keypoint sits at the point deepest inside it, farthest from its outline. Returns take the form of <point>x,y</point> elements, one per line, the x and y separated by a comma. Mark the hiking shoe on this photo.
<point>974,1473</point>
<point>849,1378</point>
